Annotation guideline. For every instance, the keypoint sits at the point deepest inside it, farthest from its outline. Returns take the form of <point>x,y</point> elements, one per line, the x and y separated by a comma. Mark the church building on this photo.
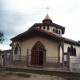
<point>43,45</point>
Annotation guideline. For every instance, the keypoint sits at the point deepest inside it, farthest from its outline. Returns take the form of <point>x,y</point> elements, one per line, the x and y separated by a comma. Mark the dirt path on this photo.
<point>6,75</point>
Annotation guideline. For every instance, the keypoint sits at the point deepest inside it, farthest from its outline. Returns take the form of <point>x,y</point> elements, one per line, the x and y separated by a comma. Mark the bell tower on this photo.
<point>49,26</point>
<point>47,20</point>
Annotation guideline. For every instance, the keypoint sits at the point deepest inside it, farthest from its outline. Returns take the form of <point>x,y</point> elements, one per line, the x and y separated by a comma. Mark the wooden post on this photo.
<point>44,58</point>
<point>11,58</point>
<point>12,51</point>
<point>68,61</point>
<point>20,54</point>
<point>4,59</point>
<point>27,58</point>
<point>59,53</point>
<point>63,54</point>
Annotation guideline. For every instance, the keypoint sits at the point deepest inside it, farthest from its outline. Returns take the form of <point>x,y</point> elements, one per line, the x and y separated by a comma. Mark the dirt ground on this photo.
<point>6,75</point>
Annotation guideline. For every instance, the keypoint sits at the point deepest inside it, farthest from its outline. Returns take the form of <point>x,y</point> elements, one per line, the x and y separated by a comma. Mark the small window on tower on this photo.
<point>47,27</point>
<point>56,30</point>
<point>43,27</point>
<point>59,31</point>
<point>2,56</point>
<point>40,27</point>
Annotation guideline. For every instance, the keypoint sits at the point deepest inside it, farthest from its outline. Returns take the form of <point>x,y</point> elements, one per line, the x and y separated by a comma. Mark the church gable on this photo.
<point>38,43</point>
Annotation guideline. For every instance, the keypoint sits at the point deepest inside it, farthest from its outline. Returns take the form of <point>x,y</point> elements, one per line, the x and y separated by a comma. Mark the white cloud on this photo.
<point>18,15</point>
<point>4,47</point>
<point>23,6</point>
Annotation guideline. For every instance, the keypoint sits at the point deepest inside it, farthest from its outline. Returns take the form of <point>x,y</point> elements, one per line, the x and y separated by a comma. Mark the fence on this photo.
<point>1,61</point>
<point>75,64</point>
<point>48,63</point>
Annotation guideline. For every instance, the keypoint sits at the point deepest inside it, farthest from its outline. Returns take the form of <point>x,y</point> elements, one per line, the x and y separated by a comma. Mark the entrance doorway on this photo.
<point>38,54</point>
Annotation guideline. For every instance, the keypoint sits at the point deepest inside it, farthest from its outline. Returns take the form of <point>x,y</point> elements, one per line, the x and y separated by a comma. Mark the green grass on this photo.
<point>10,73</point>
<point>52,73</point>
<point>23,75</point>
<point>19,74</point>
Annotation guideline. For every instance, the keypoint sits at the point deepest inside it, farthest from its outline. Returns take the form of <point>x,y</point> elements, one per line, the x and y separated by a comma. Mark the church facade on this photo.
<point>43,45</point>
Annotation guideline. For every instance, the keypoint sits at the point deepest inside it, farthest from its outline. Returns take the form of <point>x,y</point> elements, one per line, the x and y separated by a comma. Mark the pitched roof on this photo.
<point>47,20</point>
<point>36,32</point>
<point>47,17</point>
<point>39,32</point>
<point>6,51</point>
<point>70,41</point>
<point>53,25</point>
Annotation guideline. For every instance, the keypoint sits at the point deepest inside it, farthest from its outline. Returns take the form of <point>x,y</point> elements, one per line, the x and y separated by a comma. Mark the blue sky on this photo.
<point>16,16</point>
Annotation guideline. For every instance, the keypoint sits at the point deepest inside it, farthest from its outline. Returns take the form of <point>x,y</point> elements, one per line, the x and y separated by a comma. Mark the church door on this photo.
<point>37,54</point>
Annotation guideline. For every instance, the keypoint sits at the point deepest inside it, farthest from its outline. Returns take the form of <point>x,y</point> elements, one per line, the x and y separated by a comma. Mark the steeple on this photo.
<point>47,19</point>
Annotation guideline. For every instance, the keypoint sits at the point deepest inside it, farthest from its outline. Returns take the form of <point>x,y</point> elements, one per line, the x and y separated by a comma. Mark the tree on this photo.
<point>1,37</point>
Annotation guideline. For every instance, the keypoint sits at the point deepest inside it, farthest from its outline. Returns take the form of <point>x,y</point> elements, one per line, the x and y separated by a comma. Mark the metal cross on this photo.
<point>47,9</point>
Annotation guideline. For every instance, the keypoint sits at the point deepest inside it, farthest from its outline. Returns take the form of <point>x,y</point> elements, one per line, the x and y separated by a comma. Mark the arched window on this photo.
<point>71,50</point>
<point>17,49</point>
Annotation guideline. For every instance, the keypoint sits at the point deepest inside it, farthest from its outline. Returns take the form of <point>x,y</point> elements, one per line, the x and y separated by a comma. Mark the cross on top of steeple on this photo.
<point>47,19</point>
<point>47,9</point>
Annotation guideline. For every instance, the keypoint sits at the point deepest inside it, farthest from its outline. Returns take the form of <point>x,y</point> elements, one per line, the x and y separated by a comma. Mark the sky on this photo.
<point>16,16</point>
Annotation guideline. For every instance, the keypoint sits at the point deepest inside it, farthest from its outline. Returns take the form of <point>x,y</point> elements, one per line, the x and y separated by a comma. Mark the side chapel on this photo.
<point>43,45</point>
